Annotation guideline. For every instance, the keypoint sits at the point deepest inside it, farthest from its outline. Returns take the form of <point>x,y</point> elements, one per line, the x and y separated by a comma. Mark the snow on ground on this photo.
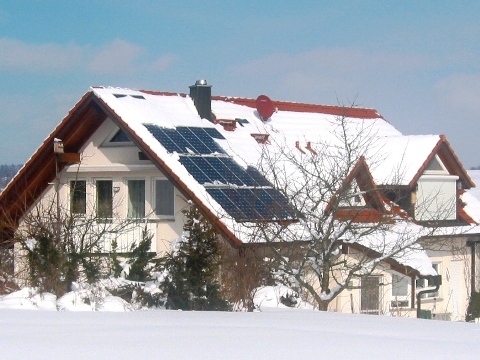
<point>271,334</point>
<point>275,332</point>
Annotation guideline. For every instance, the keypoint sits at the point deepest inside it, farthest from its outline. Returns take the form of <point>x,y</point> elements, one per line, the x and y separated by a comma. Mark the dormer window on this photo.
<point>353,197</point>
<point>436,167</point>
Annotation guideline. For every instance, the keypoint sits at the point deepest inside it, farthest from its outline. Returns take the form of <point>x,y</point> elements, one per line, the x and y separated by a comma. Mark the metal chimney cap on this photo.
<point>201,82</point>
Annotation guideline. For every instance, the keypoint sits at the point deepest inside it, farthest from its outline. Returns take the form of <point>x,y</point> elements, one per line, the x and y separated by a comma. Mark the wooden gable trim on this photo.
<point>361,173</point>
<point>449,159</point>
<point>40,170</point>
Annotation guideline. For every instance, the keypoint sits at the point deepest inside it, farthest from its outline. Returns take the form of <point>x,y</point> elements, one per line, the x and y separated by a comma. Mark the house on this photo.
<point>144,155</point>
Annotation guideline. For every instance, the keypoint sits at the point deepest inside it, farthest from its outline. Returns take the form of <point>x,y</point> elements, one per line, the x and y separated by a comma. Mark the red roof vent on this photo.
<point>265,107</point>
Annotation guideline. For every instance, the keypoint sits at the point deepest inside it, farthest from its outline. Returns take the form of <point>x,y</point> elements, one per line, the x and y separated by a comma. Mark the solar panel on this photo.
<point>214,133</point>
<point>257,177</point>
<point>187,140</point>
<point>221,169</point>
<point>244,193</point>
<point>166,137</point>
<point>253,204</point>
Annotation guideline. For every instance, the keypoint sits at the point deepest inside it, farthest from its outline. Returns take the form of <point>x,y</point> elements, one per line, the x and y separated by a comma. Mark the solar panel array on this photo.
<point>187,140</point>
<point>244,193</point>
<point>222,170</point>
<point>253,204</point>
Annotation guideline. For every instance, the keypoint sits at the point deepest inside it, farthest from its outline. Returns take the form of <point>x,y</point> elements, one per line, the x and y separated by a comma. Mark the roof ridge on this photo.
<point>348,111</point>
<point>338,110</point>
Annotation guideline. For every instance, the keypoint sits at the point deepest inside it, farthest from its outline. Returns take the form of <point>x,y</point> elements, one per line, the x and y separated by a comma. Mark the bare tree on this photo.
<point>348,227</point>
<point>55,246</point>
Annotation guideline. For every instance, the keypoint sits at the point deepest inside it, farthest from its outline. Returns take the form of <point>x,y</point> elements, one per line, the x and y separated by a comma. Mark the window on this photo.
<point>164,198</point>
<point>136,199</point>
<point>353,197</point>
<point>118,138</point>
<point>422,284</point>
<point>400,293</point>
<point>104,199</point>
<point>370,295</point>
<point>78,197</point>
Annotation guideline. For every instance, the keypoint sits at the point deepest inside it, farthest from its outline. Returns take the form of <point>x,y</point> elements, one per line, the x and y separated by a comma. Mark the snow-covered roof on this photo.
<point>389,151</point>
<point>149,115</point>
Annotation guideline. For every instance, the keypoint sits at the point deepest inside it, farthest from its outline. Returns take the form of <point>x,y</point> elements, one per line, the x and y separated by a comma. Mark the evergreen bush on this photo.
<point>473,309</point>
<point>192,268</point>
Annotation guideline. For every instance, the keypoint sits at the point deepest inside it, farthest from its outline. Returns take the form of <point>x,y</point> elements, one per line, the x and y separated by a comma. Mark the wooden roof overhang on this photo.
<point>40,170</point>
<point>74,130</point>
<point>394,264</point>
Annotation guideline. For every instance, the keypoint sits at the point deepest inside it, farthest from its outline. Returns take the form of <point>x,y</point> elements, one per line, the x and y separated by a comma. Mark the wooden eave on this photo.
<point>78,126</point>
<point>40,170</point>
<point>449,159</point>
<point>394,264</point>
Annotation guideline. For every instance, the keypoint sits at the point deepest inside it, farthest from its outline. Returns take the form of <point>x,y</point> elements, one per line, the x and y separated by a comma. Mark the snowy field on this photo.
<point>270,334</point>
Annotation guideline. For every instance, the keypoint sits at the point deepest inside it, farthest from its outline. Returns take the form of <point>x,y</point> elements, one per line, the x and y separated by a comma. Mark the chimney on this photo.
<point>201,94</point>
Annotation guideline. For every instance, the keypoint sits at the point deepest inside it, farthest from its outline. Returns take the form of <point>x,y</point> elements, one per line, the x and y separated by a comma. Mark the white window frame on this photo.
<point>70,195</point>
<point>95,192</point>
<point>170,216</point>
<point>398,301</point>
<point>436,197</point>
<point>126,182</point>
<point>108,141</point>
<point>422,284</point>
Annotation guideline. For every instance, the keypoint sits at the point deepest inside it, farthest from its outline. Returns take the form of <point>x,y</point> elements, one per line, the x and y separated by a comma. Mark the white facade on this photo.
<point>111,174</point>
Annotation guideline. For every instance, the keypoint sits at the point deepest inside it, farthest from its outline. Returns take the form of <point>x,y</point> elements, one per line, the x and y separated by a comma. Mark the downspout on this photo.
<point>437,281</point>
<point>472,246</point>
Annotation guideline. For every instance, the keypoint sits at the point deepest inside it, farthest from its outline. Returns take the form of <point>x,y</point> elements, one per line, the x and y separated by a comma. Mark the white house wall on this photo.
<point>120,164</point>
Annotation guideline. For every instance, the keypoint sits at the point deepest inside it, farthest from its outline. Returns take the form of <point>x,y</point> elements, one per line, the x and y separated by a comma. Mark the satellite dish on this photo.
<point>265,107</point>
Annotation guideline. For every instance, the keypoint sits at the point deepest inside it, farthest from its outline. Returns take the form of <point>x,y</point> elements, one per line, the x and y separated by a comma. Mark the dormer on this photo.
<point>435,194</point>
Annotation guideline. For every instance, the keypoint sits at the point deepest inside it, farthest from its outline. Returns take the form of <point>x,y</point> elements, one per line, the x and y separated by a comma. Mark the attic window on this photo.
<point>436,166</point>
<point>138,97</point>
<point>119,95</point>
<point>118,138</point>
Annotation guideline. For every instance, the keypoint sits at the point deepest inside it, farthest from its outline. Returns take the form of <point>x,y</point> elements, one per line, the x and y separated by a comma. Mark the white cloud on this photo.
<point>345,71</point>
<point>116,57</point>
<point>18,55</point>
<point>162,63</point>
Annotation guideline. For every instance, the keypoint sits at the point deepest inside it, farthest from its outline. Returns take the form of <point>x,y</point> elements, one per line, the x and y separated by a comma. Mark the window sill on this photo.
<point>161,219</point>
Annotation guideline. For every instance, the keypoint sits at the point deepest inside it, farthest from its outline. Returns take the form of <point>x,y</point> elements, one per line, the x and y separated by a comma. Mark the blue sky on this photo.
<point>417,63</point>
